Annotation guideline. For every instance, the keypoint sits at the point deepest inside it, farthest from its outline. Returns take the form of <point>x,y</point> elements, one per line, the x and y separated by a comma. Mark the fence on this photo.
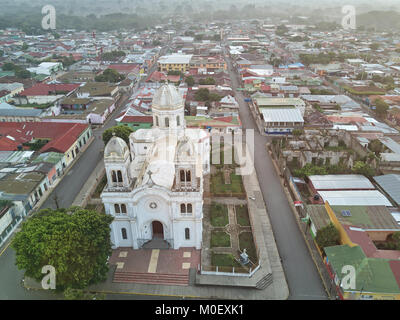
<point>228,271</point>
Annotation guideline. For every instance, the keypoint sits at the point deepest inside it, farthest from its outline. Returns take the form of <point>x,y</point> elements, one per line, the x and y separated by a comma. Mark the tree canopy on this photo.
<point>113,55</point>
<point>327,236</point>
<point>207,81</point>
<point>19,71</point>
<point>363,168</point>
<point>190,81</point>
<point>75,241</point>
<point>120,131</point>
<point>204,94</point>
<point>110,75</point>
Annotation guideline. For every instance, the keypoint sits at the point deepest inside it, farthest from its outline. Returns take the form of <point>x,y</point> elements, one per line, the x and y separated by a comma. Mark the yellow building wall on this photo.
<point>375,296</point>
<point>344,238</point>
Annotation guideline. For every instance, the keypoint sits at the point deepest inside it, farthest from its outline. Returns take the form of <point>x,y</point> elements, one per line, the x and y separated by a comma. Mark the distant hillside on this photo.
<point>381,20</point>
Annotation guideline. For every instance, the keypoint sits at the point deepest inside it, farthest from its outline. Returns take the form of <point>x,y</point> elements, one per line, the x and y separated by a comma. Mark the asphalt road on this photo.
<point>301,273</point>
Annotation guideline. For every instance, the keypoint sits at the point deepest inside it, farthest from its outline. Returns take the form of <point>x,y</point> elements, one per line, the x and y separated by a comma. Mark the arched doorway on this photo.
<point>158,230</point>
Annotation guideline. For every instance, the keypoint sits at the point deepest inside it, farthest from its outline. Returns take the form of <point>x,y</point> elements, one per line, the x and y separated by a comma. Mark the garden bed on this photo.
<point>219,215</point>
<point>220,239</point>
<point>218,185</point>
<point>246,241</point>
<point>223,260</point>
<point>242,215</point>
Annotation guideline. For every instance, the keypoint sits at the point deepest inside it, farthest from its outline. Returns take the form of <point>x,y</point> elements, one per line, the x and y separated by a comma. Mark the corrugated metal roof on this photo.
<point>390,183</point>
<point>282,115</point>
<point>20,112</point>
<point>355,198</point>
<point>340,182</point>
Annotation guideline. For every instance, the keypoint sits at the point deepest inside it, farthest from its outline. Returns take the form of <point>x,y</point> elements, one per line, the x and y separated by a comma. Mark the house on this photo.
<point>281,121</point>
<point>9,113</point>
<point>47,68</point>
<point>377,221</point>
<point>44,93</point>
<point>10,90</point>
<point>27,187</point>
<point>376,279</point>
<point>279,115</point>
<point>390,184</point>
<point>55,164</point>
<point>11,214</point>
<point>136,122</point>
<point>355,197</point>
<point>61,137</point>
<point>98,89</point>
<point>339,182</point>
<point>175,62</point>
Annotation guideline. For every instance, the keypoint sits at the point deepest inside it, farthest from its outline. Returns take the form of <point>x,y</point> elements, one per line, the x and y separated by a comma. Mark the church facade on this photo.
<point>155,185</point>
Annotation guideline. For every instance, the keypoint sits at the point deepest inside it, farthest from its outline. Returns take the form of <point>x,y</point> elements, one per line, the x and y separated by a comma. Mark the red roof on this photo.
<point>364,241</point>
<point>124,67</point>
<point>341,119</point>
<point>61,135</point>
<point>395,266</point>
<point>44,89</point>
<point>139,119</point>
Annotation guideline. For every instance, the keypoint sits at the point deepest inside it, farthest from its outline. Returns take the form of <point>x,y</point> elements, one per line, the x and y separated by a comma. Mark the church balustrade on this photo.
<point>117,188</point>
<point>186,186</point>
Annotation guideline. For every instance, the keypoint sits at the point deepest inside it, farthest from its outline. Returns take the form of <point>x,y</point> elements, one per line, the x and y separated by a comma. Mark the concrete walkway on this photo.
<point>87,189</point>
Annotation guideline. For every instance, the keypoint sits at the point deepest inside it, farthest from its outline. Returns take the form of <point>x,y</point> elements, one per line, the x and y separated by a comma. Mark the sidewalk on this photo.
<point>87,189</point>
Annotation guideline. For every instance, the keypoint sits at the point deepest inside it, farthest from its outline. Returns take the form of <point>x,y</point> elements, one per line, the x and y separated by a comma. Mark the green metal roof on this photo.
<point>51,157</point>
<point>372,274</point>
<point>366,217</point>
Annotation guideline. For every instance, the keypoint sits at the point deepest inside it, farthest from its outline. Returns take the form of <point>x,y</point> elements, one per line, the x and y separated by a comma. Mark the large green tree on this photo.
<point>120,131</point>
<point>381,107</point>
<point>190,81</point>
<point>363,168</point>
<point>376,146</point>
<point>327,236</point>
<point>75,241</point>
<point>110,75</point>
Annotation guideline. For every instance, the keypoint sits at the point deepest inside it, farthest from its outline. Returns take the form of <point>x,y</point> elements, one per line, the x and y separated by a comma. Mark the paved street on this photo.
<point>301,274</point>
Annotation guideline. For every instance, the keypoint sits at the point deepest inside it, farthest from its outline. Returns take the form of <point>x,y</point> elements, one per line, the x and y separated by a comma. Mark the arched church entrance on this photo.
<point>158,230</point>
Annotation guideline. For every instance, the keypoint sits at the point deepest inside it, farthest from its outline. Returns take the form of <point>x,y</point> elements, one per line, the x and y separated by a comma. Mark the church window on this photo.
<point>178,121</point>
<point>182,175</point>
<point>167,122</point>
<point>187,233</point>
<point>157,123</point>
<point>188,175</point>
<point>117,208</point>
<point>189,208</point>
<point>183,208</point>
<point>124,234</point>
<point>113,176</point>
<point>123,208</point>
<point>119,173</point>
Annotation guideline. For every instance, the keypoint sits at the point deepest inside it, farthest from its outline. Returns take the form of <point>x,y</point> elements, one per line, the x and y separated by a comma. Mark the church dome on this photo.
<point>116,147</point>
<point>167,97</point>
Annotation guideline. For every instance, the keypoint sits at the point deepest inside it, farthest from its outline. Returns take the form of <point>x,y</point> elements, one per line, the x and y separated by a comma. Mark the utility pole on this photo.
<point>56,201</point>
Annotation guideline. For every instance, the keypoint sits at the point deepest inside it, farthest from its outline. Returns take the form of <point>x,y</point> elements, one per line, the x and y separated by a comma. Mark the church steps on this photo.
<point>152,278</point>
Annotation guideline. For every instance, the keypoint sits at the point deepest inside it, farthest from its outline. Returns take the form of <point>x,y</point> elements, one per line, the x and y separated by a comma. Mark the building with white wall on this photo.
<point>155,186</point>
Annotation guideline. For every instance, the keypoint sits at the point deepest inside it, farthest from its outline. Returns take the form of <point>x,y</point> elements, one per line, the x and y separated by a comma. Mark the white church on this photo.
<point>155,186</point>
